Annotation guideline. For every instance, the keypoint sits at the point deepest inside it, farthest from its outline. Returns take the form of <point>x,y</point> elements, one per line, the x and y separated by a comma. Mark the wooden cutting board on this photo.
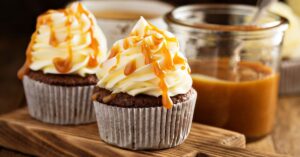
<point>18,131</point>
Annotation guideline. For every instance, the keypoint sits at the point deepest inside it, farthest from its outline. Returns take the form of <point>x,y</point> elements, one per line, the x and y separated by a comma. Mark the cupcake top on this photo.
<point>147,62</point>
<point>291,44</point>
<point>66,41</point>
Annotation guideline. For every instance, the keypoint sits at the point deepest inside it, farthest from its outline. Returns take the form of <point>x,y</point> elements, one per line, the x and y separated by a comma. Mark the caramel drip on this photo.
<point>178,60</point>
<point>130,68</point>
<point>126,44</point>
<point>166,100</point>
<point>147,49</point>
<point>168,62</point>
<point>25,68</point>
<point>93,62</point>
<point>117,62</point>
<point>146,52</point>
<point>41,21</point>
<point>64,65</point>
<point>53,40</point>
<point>114,51</point>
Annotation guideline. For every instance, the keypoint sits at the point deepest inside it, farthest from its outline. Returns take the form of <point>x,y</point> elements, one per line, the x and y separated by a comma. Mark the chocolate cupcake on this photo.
<point>290,63</point>
<point>61,61</point>
<point>144,98</point>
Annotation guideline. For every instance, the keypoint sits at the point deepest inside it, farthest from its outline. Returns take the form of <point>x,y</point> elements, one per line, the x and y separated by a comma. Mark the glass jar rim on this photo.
<point>281,24</point>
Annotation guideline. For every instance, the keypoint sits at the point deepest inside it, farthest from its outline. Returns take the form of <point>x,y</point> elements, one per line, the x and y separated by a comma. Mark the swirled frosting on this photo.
<point>66,41</point>
<point>147,62</point>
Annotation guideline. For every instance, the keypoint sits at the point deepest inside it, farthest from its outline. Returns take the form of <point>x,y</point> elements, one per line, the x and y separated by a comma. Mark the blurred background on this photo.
<point>18,20</point>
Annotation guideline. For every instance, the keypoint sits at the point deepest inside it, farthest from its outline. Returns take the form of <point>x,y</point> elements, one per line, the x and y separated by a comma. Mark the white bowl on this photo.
<point>115,29</point>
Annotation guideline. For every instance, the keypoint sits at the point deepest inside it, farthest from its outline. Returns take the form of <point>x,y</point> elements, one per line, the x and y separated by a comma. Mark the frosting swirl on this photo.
<point>146,62</point>
<point>66,41</point>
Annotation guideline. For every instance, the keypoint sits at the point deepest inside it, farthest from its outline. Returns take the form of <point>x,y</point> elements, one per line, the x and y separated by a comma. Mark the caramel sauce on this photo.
<point>115,51</point>
<point>168,62</point>
<point>147,49</point>
<point>178,60</point>
<point>166,100</point>
<point>117,62</point>
<point>126,44</point>
<point>246,104</point>
<point>62,65</point>
<point>93,62</point>
<point>53,41</point>
<point>130,68</point>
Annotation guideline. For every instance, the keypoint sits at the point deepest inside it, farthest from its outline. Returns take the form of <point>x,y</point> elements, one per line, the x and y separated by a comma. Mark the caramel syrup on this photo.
<point>130,68</point>
<point>147,49</point>
<point>93,62</point>
<point>62,65</point>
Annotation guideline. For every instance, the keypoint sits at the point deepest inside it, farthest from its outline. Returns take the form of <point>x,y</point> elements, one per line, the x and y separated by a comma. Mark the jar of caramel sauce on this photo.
<point>234,66</point>
<point>244,101</point>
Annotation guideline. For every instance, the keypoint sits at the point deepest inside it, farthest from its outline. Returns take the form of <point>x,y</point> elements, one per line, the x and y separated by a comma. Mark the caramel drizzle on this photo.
<point>130,68</point>
<point>93,62</point>
<point>62,65</point>
<point>115,51</point>
<point>147,49</point>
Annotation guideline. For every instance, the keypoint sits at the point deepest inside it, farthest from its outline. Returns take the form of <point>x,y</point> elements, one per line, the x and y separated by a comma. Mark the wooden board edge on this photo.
<point>45,143</point>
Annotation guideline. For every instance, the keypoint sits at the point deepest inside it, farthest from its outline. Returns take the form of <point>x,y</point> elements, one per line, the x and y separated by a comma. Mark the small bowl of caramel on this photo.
<point>234,65</point>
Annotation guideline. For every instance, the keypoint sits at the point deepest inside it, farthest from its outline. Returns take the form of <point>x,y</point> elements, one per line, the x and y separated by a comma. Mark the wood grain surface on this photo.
<point>285,137</point>
<point>30,136</point>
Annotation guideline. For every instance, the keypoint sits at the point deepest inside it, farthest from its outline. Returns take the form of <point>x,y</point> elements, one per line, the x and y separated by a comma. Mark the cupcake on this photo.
<point>61,61</point>
<point>290,64</point>
<point>144,98</point>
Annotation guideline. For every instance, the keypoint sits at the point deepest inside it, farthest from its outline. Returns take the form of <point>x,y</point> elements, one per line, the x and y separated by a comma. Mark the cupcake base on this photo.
<point>289,77</point>
<point>145,128</point>
<point>65,105</point>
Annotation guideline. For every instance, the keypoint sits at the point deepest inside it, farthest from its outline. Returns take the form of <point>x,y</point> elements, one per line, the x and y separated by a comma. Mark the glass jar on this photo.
<point>234,64</point>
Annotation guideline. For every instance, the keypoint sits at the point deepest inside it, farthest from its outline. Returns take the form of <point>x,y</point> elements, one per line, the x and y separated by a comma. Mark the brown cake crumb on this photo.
<point>63,79</point>
<point>125,100</point>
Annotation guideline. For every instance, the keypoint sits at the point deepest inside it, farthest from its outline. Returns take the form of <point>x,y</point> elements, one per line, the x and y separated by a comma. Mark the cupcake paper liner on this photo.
<point>59,104</point>
<point>290,77</point>
<point>145,128</point>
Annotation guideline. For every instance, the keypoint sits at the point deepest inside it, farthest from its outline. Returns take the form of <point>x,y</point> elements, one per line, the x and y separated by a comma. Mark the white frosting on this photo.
<point>291,44</point>
<point>43,53</point>
<point>143,80</point>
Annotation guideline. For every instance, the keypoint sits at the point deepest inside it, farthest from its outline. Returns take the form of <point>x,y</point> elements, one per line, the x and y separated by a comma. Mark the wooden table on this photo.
<point>285,138</point>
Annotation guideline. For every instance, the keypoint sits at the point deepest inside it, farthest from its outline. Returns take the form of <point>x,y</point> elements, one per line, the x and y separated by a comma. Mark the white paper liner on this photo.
<point>145,128</point>
<point>290,77</point>
<point>59,104</point>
